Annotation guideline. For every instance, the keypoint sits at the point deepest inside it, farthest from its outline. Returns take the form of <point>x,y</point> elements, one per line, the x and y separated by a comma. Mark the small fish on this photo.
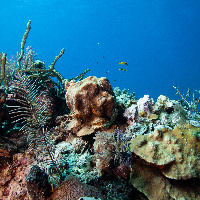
<point>107,72</point>
<point>123,63</point>
<point>123,69</point>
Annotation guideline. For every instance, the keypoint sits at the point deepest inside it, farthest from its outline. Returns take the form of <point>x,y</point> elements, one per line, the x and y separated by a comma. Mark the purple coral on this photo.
<point>131,114</point>
<point>145,105</point>
<point>142,109</point>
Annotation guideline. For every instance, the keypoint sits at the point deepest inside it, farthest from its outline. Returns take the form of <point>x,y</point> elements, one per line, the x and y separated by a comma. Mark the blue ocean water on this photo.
<point>160,40</point>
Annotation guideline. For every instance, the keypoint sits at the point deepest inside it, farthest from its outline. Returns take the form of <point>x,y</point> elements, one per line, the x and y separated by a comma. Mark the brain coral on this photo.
<point>72,189</point>
<point>175,152</point>
<point>92,103</point>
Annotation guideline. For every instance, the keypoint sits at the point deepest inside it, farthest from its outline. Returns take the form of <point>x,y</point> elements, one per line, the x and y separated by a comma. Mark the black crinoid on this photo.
<point>30,107</point>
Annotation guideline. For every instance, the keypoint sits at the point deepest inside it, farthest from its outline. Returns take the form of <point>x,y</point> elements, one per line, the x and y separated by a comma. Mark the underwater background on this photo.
<point>160,40</point>
<point>87,137</point>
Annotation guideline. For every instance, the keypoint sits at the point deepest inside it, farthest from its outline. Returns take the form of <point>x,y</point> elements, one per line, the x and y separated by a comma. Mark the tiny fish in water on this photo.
<point>123,69</point>
<point>123,63</point>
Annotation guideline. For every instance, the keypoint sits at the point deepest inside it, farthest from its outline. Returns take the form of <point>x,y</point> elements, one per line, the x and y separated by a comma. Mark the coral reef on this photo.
<point>171,112</point>
<point>146,115</point>
<point>3,115</point>
<point>92,103</point>
<point>36,105</point>
<point>191,103</point>
<point>142,109</point>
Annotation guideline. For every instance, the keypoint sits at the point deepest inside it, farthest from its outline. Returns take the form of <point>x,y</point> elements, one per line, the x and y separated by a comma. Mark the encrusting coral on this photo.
<point>92,103</point>
<point>175,152</point>
<point>166,163</point>
<point>151,182</point>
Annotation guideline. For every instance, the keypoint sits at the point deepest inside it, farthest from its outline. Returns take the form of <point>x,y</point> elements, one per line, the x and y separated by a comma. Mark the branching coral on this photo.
<point>25,63</point>
<point>3,63</point>
<point>23,43</point>
<point>124,97</point>
<point>192,104</point>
